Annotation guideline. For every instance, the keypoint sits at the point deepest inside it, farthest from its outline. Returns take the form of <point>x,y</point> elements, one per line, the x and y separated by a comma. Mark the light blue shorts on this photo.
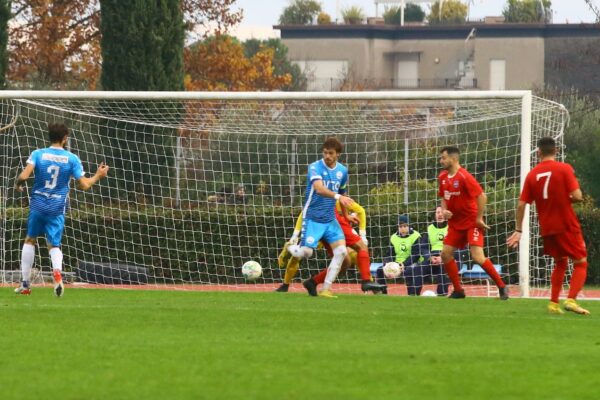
<point>51,226</point>
<point>313,231</point>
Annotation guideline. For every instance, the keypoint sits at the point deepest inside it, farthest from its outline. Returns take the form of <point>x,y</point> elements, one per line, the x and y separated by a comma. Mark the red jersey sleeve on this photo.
<point>526,194</point>
<point>572,183</point>
<point>473,187</point>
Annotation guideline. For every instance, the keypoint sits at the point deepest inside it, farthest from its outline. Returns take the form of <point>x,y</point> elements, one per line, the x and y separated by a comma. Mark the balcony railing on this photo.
<point>336,84</point>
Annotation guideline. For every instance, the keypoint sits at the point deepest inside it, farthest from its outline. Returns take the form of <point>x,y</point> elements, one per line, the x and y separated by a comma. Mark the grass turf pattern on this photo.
<point>120,344</point>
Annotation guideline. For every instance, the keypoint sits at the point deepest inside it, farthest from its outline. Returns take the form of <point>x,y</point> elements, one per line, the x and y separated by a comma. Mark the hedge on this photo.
<point>210,244</point>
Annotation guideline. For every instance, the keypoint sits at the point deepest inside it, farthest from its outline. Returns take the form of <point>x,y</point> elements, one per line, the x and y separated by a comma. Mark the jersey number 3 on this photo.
<point>544,175</point>
<point>53,170</point>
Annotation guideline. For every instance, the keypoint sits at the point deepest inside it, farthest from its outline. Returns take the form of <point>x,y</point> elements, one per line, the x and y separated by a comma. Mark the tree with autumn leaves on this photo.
<point>56,44</point>
<point>219,63</point>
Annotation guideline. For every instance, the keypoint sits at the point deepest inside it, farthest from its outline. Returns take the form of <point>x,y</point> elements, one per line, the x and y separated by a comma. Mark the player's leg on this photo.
<point>441,279</point>
<point>413,274</point>
<point>557,278</point>
<point>453,240</point>
<point>312,232</point>
<point>35,228</point>
<point>291,269</point>
<point>27,260</point>
<point>574,246</point>
<point>320,277</point>
<point>476,240</point>
<point>311,283</point>
<point>54,231</point>
<point>363,261</point>
<point>575,286</point>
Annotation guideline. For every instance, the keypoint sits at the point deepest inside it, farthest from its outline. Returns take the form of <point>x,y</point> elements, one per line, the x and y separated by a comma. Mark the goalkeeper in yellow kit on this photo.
<point>358,253</point>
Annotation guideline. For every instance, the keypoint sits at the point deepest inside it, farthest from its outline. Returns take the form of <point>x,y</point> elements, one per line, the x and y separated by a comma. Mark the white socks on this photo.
<point>27,258</point>
<point>339,253</point>
<point>57,258</point>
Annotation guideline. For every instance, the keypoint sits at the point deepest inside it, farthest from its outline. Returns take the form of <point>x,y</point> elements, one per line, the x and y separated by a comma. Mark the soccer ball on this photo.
<point>428,293</point>
<point>251,270</point>
<point>392,270</point>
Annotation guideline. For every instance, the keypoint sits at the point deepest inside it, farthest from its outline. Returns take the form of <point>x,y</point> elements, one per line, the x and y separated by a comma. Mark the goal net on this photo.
<point>200,183</point>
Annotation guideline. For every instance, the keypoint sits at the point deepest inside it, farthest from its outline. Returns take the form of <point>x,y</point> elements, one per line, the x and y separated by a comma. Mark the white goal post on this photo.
<point>201,182</point>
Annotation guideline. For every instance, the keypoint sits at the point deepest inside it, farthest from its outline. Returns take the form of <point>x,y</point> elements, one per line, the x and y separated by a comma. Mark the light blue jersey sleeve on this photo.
<point>76,167</point>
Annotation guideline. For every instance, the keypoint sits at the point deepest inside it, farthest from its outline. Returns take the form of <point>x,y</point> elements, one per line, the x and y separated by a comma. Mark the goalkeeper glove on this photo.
<point>294,238</point>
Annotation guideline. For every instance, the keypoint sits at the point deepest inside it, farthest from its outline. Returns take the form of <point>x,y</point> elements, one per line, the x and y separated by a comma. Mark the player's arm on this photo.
<point>481,202</point>
<point>85,183</point>
<point>297,229</point>
<point>322,190</point>
<point>576,196</point>
<point>447,213</point>
<point>23,176</point>
<point>362,220</point>
<point>515,238</point>
<point>361,214</point>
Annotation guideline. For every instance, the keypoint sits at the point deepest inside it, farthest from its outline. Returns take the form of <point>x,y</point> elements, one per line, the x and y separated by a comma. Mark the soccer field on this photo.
<point>100,344</point>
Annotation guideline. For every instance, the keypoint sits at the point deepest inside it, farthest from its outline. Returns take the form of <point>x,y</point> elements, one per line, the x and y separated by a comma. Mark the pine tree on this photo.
<point>142,49</point>
<point>4,17</point>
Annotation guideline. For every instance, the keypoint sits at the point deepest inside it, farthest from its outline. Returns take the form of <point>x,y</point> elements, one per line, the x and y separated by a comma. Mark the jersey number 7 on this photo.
<point>543,175</point>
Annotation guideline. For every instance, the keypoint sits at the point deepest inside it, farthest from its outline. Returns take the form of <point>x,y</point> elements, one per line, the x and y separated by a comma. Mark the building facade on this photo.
<point>470,56</point>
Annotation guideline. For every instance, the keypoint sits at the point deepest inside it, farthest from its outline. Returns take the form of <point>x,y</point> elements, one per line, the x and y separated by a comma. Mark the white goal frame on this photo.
<point>525,96</point>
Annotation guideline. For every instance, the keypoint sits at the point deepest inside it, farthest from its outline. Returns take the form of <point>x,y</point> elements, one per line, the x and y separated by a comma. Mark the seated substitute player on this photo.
<point>552,185</point>
<point>53,168</point>
<point>432,243</point>
<point>463,205</point>
<point>405,250</point>
<point>358,252</point>
<point>326,182</point>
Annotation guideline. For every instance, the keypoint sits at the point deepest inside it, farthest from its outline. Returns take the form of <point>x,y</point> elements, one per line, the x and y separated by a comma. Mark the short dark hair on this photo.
<point>57,131</point>
<point>450,150</point>
<point>547,146</point>
<point>333,143</point>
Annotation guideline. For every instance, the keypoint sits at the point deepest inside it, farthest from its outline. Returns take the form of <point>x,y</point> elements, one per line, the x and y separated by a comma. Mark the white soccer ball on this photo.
<point>251,270</point>
<point>392,270</point>
<point>428,293</point>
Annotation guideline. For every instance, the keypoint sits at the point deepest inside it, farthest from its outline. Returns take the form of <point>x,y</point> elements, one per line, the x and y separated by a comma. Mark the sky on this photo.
<point>261,15</point>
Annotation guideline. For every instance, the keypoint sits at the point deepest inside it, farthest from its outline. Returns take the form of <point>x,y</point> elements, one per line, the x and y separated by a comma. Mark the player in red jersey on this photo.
<point>463,205</point>
<point>553,187</point>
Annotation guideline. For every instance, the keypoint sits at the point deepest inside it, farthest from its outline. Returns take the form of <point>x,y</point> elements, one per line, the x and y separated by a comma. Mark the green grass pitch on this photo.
<point>119,344</point>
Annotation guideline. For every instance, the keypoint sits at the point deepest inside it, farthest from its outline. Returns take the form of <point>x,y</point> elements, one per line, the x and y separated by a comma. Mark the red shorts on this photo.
<point>566,244</point>
<point>459,239</point>
<point>351,237</point>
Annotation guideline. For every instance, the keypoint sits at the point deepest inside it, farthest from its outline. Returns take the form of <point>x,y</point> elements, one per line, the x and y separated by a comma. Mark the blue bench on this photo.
<point>476,273</point>
<point>374,267</point>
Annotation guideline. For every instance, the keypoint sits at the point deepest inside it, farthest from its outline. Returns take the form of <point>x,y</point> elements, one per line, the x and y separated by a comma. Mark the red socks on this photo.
<point>320,277</point>
<point>488,267</point>
<point>578,279</point>
<point>364,265</point>
<point>558,276</point>
<point>452,271</point>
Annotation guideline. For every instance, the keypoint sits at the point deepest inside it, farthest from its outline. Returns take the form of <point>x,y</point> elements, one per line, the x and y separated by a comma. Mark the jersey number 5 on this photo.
<point>53,170</point>
<point>544,175</point>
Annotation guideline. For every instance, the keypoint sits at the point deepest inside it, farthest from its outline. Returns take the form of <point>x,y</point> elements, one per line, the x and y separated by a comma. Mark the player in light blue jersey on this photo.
<point>326,183</point>
<point>53,168</point>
